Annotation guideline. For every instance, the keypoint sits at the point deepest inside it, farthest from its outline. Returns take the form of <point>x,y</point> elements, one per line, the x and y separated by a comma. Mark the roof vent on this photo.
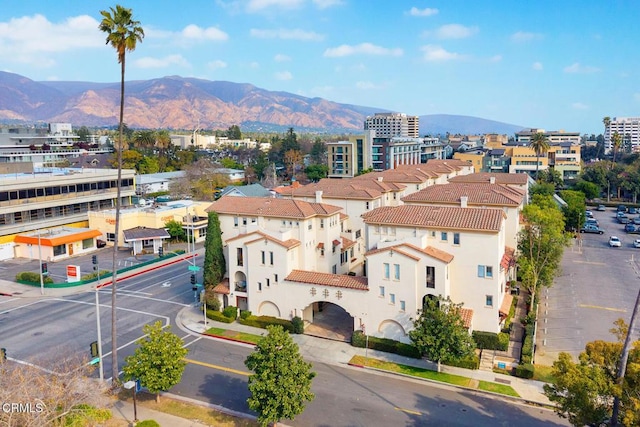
<point>463,201</point>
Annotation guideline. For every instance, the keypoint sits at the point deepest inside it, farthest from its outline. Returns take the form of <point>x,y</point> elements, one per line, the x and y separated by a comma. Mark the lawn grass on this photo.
<point>188,411</point>
<point>235,335</point>
<point>432,375</point>
<point>543,373</point>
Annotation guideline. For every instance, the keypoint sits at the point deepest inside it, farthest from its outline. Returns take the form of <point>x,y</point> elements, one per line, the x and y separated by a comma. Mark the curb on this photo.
<point>228,339</point>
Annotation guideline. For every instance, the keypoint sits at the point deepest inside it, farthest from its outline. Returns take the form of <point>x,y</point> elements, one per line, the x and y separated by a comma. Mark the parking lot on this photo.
<point>597,284</point>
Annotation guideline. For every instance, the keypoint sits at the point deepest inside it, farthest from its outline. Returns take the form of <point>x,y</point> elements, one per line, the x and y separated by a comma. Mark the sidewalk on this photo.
<point>340,353</point>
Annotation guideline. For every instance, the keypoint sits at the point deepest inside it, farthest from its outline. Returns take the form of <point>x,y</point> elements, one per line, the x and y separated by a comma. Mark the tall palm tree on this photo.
<point>123,33</point>
<point>540,145</point>
<point>616,143</point>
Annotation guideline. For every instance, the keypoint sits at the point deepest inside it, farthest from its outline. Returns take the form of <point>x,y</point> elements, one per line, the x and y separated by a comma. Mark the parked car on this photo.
<point>632,211</point>
<point>623,219</point>
<point>622,208</point>
<point>592,221</point>
<point>636,243</point>
<point>589,214</point>
<point>601,208</point>
<point>636,220</point>
<point>614,242</point>
<point>591,228</point>
<point>630,228</point>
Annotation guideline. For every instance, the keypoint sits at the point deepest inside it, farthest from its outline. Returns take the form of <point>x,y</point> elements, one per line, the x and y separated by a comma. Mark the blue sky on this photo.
<point>549,64</point>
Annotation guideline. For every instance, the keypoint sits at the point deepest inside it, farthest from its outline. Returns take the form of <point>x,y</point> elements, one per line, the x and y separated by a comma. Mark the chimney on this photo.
<point>319,196</point>
<point>463,201</point>
<point>492,180</point>
<point>380,179</point>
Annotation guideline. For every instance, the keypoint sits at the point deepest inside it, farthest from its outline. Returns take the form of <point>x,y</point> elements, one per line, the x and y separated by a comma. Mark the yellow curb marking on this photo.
<point>408,411</point>
<point>221,368</point>
<point>621,310</point>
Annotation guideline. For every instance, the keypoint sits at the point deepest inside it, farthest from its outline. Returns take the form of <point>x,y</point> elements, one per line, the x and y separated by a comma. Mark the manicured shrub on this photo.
<point>525,370</point>
<point>471,362</point>
<point>527,346</point>
<point>264,321</point>
<point>298,325</point>
<point>219,317</point>
<point>31,277</point>
<point>486,340</point>
<point>245,314</point>
<point>231,312</point>
<point>148,423</point>
<point>358,339</point>
<point>503,340</point>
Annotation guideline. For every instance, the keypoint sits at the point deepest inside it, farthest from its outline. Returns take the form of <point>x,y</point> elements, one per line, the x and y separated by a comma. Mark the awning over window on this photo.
<point>336,242</point>
<point>506,305</point>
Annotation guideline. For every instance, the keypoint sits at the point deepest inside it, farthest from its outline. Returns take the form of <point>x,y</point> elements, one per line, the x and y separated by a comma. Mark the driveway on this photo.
<point>596,286</point>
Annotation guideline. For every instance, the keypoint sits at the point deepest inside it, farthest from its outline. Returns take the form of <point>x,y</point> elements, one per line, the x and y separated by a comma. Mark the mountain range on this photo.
<point>175,102</point>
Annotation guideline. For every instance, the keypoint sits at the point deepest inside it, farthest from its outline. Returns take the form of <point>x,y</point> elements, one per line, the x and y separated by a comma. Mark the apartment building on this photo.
<point>554,137</point>
<point>388,125</point>
<point>629,130</point>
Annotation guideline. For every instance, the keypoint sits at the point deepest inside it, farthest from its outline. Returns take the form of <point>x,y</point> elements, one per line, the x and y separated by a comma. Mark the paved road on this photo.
<point>596,286</point>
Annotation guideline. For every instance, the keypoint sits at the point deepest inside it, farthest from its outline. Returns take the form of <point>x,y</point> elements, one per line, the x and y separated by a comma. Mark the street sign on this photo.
<point>194,268</point>
<point>94,361</point>
<point>138,388</point>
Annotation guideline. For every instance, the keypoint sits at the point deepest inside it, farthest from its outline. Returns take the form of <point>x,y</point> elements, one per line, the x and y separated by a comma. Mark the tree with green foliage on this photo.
<point>551,176</point>
<point>541,243</point>
<point>228,162</point>
<point>589,189</point>
<point>574,209</point>
<point>123,34</point>
<point>175,230</point>
<point>214,263</point>
<point>318,152</point>
<point>234,132</point>
<point>158,362</point>
<point>616,143</point>
<point>281,380</point>
<point>584,391</point>
<point>540,145</point>
<point>439,332</point>
<point>364,171</point>
<point>316,172</point>
<point>542,188</point>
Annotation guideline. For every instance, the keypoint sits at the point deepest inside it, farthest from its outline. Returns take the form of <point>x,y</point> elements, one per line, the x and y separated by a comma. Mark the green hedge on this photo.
<point>230,312</point>
<point>358,339</point>
<point>264,321</point>
<point>298,325</point>
<point>491,341</point>
<point>525,370</point>
<point>29,276</point>
<point>219,317</point>
<point>471,362</point>
<point>148,423</point>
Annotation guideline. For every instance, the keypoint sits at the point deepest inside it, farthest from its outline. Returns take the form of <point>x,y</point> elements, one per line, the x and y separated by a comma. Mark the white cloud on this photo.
<point>362,48</point>
<point>495,58</point>
<point>216,65</point>
<point>423,12</point>
<point>455,31</point>
<point>32,39</point>
<point>323,4</point>
<point>579,106</point>
<point>537,66</point>
<point>193,32</point>
<point>260,5</point>
<point>281,58</point>
<point>583,69</point>
<point>283,75</point>
<point>286,34</point>
<point>170,60</point>
<point>363,85</point>
<point>433,53</point>
<point>523,36</point>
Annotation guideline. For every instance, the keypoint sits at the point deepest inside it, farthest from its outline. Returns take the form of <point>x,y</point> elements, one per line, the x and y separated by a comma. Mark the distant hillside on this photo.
<point>435,124</point>
<point>176,102</point>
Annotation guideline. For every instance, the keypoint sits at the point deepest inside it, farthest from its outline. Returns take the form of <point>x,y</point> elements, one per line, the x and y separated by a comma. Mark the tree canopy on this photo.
<point>214,262</point>
<point>158,362</point>
<point>281,380</point>
<point>439,332</point>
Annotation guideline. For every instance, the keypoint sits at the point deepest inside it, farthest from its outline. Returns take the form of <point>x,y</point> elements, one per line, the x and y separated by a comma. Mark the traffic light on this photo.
<point>94,259</point>
<point>3,354</point>
<point>160,251</point>
<point>45,268</point>
<point>193,278</point>
<point>93,348</point>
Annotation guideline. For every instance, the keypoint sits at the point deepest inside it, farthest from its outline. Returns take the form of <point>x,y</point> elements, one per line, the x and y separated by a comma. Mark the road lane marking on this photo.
<point>621,310</point>
<point>589,262</point>
<point>221,368</point>
<point>408,411</point>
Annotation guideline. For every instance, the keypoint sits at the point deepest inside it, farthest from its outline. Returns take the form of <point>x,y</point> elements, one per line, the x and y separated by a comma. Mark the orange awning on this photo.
<point>59,240</point>
<point>506,305</point>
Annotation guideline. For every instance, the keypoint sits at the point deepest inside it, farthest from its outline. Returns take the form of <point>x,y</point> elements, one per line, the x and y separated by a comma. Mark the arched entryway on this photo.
<point>327,320</point>
<point>428,297</point>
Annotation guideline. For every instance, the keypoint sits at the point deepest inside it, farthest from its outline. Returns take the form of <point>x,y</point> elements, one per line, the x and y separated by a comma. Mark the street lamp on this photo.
<point>40,262</point>
<point>133,385</point>
<point>100,367</point>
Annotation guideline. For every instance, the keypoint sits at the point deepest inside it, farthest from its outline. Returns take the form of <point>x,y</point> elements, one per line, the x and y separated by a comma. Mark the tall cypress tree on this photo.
<point>214,263</point>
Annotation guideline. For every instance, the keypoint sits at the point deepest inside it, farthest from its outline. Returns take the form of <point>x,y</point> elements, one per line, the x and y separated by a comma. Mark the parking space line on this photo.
<point>620,310</point>
<point>589,262</point>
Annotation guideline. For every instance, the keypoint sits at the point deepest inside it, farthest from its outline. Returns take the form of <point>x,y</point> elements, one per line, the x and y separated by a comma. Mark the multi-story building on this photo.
<point>42,146</point>
<point>47,198</point>
<point>348,158</point>
<point>554,137</point>
<point>564,157</point>
<point>629,130</point>
<point>390,152</point>
<point>388,125</point>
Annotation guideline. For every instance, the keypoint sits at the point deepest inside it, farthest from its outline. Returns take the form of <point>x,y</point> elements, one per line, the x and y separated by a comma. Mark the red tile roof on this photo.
<point>289,243</point>
<point>482,194</point>
<point>423,216</point>
<point>429,251</point>
<point>270,207</point>
<point>507,257</point>
<point>505,306</point>
<point>500,178</point>
<point>347,243</point>
<point>222,287</point>
<point>349,188</point>
<point>467,316</point>
<point>327,279</point>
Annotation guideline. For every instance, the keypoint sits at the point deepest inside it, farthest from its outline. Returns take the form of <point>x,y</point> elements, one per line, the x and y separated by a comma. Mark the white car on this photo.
<point>614,242</point>
<point>636,243</point>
